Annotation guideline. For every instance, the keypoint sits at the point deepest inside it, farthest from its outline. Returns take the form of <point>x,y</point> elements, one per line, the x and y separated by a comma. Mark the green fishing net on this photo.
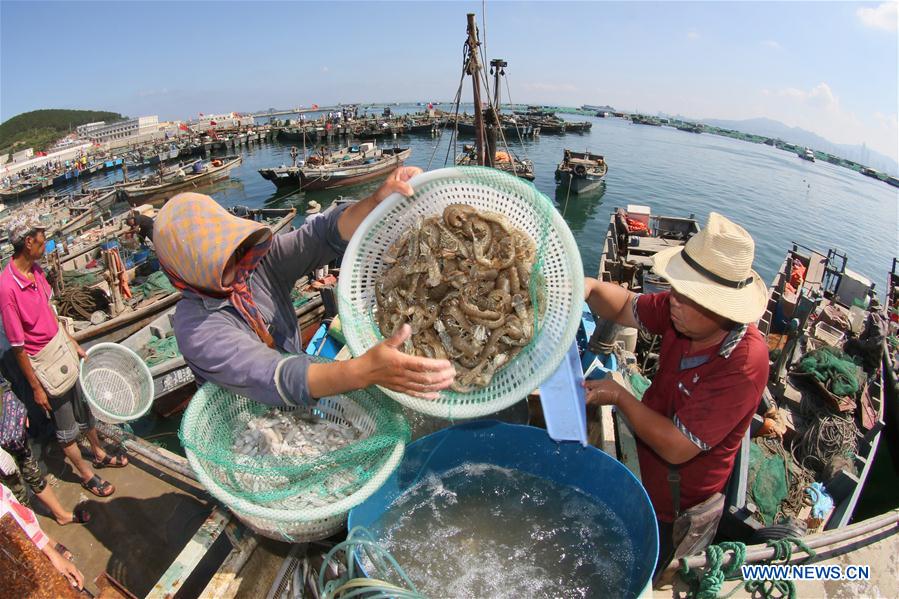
<point>834,369</point>
<point>216,417</point>
<point>83,277</point>
<point>159,350</point>
<point>767,482</point>
<point>156,284</point>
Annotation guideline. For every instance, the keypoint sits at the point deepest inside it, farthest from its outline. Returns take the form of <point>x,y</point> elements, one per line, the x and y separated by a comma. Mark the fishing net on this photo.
<point>834,369</point>
<point>767,482</point>
<point>297,498</point>
<point>555,285</point>
<point>159,350</point>
<point>156,284</point>
<point>83,277</point>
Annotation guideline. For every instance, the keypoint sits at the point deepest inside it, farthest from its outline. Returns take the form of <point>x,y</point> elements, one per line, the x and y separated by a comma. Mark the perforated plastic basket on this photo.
<point>210,424</point>
<point>116,383</point>
<point>558,273</point>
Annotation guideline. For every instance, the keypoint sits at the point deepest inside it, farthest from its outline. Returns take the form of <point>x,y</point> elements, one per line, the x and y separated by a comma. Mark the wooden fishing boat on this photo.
<point>581,172</point>
<point>504,161</point>
<point>891,366</point>
<point>813,302</point>
<point>348,166</point>
<point>806,154</point>
<point>25,189</point>
<point>156,189</point>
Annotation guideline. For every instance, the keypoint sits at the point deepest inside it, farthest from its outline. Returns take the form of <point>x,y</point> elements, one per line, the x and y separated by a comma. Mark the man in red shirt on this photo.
<point>30,325</point>
<point>713,368</point>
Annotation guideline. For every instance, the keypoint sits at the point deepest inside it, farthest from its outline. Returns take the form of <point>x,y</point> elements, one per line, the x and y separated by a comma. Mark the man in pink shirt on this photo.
<point>30,324</point>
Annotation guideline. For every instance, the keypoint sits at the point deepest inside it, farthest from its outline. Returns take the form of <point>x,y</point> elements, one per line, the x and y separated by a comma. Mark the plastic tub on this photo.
<point>530,450</point>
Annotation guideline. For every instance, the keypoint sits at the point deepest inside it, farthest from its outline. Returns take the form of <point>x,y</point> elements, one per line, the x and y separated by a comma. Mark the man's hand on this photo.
<point>386,365</point>
<point>397,181</point>
<point>41,399</point>
<point>604,392</point>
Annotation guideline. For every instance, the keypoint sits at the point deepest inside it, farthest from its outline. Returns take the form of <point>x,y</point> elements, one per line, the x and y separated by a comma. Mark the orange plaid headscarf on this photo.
<point>194,238</point>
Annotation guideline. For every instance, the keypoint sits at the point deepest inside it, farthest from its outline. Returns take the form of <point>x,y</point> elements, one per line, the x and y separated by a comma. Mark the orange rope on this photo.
<point>123,276</point>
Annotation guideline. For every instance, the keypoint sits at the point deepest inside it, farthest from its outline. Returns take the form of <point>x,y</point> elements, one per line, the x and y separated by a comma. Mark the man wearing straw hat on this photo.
<point>713,368</point>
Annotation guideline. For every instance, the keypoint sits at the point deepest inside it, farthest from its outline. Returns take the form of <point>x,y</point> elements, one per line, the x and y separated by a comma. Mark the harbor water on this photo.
<point>774,194</point>
<point>480,530</point>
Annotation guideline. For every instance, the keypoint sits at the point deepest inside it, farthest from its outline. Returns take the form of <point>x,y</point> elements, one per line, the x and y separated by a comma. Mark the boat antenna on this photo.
<point>473,70</point>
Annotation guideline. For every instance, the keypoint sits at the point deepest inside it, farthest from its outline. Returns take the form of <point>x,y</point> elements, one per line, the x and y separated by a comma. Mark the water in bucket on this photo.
<point>488,509</point>
<point>480,530</point>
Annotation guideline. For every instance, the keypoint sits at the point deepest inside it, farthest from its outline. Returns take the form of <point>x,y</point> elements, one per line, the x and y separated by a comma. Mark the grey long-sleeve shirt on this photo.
<point>218,344</point>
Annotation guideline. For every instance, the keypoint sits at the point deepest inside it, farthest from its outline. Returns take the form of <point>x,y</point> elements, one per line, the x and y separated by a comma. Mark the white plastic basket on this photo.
<point>561,278</point>
<point>116,383</point>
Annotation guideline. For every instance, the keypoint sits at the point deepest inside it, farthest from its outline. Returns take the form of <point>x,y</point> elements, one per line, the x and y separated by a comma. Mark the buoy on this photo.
<point>314,207</point>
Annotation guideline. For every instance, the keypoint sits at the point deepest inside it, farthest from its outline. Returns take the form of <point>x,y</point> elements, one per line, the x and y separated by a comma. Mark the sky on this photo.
<point>828,67</point>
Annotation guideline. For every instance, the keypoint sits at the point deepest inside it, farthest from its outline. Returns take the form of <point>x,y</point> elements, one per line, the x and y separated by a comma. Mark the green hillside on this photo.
<point>38,129</point>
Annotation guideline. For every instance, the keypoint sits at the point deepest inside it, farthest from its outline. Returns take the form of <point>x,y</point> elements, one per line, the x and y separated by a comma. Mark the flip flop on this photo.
<point>79,516</point>
<point>99,487</point>
<point>111,461</point>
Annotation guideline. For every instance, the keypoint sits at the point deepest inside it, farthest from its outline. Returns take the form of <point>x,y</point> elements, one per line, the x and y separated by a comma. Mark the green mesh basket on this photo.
<point>286,497</point>
<point>557,282</point>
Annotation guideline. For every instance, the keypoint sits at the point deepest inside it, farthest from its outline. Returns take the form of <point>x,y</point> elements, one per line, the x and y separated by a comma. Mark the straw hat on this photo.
<point>714,269</point>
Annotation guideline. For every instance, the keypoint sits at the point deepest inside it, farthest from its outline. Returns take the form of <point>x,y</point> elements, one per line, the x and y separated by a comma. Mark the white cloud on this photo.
<point>819,109</point>
<point>771,45</point>
<point>821,96</point>
<point>325,69</point>
<point>692,35</point>
<point>884,17</point>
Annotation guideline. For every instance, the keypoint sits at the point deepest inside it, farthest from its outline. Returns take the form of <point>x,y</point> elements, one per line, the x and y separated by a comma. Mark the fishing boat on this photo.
<point>891,365</point>
<point>158,188</point>
<point>350,165</point>
<point>25,189</point>
<point>581,172</point>
<point>502,160</point>
<point>807,154</point>
<point>640,119</point>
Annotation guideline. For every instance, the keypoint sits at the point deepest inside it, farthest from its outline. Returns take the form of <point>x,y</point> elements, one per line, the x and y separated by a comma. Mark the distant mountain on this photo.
<point>39,129</point>
<point>801,137</point>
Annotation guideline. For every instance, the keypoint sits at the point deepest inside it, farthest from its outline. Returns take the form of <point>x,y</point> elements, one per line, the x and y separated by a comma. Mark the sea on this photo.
<point>778,197</point>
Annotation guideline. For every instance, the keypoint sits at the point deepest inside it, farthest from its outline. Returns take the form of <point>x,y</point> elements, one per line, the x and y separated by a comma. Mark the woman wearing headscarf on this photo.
<point>235,323</point>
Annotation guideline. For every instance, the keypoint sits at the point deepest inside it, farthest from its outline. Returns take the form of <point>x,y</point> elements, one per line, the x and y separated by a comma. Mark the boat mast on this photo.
<point>473,69</point>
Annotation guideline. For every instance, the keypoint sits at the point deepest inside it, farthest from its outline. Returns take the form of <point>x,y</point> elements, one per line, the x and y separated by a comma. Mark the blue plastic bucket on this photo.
<point>529,450</point>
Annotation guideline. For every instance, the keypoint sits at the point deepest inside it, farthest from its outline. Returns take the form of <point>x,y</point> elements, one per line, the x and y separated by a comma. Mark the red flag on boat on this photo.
<point>183,127</point>
<point>212,122</point>
<point>314,106</point>
<point>201,114</point>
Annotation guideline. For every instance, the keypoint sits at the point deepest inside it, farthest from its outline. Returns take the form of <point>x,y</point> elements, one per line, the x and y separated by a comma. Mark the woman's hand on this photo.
<point>65,567</point>
<point>397,181</point>
<point>81,353</point>
<point>604,392</point>
<point>386,365</point>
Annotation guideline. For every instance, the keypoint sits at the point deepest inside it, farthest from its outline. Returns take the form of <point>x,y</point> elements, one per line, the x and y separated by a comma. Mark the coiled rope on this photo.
<point>707,584</point>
